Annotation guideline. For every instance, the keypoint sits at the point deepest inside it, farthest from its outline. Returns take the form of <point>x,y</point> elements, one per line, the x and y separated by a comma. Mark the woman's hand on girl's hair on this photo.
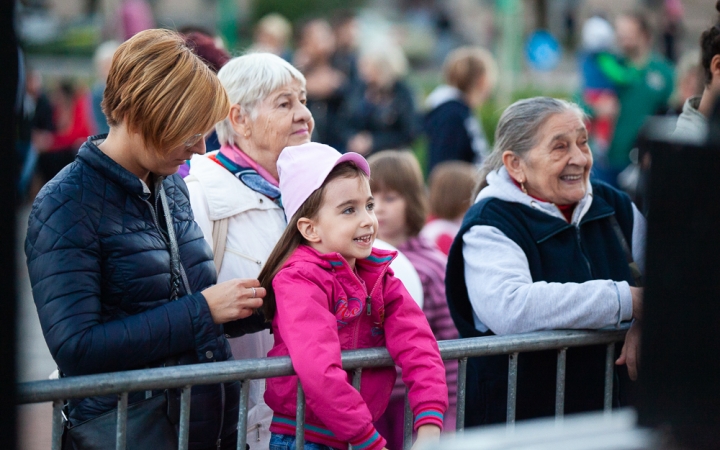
<point>233,299</point>
<point>426,433</point>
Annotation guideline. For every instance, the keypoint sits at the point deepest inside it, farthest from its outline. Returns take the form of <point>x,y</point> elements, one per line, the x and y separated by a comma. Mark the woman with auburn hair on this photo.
<point>122,277</point>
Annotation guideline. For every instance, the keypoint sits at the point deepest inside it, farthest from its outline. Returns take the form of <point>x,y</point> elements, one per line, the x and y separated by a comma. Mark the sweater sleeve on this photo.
<point>413,347</point>
<point>309,329</point>
<point>506,300</point>
<point>64,264</point>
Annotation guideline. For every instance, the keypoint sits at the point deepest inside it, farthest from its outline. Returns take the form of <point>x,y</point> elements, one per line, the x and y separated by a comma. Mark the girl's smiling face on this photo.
<point>346,221</point>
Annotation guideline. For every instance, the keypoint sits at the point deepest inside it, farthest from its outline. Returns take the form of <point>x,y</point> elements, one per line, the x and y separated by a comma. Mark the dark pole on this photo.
<point>680,392</point>
<point>8,182</point>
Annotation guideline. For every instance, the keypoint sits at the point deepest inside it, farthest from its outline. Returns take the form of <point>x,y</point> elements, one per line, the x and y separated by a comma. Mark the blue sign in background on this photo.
<point>542,51</point>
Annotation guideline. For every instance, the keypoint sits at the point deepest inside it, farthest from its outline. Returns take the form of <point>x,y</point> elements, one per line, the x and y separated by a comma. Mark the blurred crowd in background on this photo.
<point>366,95</point>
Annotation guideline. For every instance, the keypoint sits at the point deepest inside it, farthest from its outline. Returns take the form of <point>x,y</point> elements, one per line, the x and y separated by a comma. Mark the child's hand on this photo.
<point>427,433</point>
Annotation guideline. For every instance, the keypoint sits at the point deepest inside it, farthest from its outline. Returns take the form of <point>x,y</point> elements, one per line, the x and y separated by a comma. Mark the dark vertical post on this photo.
<point>678,379</point>
<point>8,181</point>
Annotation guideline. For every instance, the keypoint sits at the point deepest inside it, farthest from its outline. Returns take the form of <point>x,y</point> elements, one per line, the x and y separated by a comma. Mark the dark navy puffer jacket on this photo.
<point>99,264</point>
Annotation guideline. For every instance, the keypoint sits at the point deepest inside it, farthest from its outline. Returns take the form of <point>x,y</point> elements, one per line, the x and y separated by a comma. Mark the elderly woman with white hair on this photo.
<point>378,112</point>
<point>234,191</point>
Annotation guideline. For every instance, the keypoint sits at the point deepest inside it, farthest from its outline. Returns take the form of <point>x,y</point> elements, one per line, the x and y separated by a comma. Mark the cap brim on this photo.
<point>357,158</point>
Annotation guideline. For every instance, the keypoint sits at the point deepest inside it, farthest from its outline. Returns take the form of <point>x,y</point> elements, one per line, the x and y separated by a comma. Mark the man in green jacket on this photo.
<point>643,87</point>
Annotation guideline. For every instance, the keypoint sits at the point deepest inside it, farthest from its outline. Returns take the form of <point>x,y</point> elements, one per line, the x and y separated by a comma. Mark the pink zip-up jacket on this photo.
<point>323,308</point>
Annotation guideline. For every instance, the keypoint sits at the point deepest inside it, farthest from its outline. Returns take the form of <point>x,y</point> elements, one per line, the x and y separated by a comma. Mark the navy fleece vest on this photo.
<point>557,252</point>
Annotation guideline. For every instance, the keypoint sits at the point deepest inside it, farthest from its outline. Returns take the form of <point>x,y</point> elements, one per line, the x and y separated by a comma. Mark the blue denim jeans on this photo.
<point>285,442</point>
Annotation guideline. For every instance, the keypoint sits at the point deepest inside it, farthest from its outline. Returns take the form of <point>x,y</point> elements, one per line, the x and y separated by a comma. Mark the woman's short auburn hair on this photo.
<point>399,171</point>
<point>161,90</point>
<point>451,185</point>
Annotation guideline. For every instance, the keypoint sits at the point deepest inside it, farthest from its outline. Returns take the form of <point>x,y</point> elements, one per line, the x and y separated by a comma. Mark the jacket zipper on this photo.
<point>256,428</point>
<point>243,255</point>
<point>587,263</point>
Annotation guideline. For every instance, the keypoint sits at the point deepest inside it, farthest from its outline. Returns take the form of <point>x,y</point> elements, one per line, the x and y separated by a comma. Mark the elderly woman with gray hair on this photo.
<point>544,248</point>
<point>234,191</point>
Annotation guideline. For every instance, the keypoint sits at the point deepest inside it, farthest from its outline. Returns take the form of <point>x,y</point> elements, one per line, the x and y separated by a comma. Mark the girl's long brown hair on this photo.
<point>291,239</point>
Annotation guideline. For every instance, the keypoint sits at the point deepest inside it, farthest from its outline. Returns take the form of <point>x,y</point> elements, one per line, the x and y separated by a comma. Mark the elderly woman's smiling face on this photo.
<point>282,119</point>
<point>557,169</point>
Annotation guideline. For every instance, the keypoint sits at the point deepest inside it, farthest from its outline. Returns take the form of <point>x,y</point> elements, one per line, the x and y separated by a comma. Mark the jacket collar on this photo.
<point>226,195</point>
<point>501,186</point>
<point>443,94</point>
<point>546,218</point>
<point>378,261</point>
<point>91,155</point>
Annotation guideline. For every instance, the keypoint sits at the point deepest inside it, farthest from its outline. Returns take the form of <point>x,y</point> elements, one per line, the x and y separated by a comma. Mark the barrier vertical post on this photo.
<point>512,390</point>
<point>121,430</point>
<point>243,414</point>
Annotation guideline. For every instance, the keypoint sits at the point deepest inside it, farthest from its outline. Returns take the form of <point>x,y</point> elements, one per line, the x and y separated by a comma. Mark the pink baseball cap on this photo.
<point>303,168</point>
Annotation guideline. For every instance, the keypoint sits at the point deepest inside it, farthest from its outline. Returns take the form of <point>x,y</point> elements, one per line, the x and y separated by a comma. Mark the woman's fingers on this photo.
<point>248,282</point>
<point>234,299</point>
<point>255,292</point>
<point>631,350</point>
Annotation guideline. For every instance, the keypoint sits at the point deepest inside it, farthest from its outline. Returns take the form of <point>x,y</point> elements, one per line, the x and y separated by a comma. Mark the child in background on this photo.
<point>451,186</point>
<point>600,71</point>
<point>401,207</point>
<point>329,290</point>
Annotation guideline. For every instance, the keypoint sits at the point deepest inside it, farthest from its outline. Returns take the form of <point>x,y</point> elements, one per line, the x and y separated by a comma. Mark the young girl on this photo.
<point>451,184</point>
<point>329,291</point>
<point>401,207</point>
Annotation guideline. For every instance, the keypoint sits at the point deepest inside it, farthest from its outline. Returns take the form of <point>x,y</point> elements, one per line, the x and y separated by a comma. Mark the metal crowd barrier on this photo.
<point>184,377</point>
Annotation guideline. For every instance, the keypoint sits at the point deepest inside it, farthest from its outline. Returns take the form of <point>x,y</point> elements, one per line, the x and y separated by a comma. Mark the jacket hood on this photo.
<point>376,262</point>
<point>443,94</point>
<point>502,187</point>
<point>226,195</point>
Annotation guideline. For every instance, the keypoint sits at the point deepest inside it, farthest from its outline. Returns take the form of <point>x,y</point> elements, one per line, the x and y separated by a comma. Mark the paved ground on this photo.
<point>34,360</point>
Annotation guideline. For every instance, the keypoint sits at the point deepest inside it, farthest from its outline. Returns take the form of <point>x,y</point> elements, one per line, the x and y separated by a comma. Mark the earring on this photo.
<point>247,134</point>
<point>522,186</point>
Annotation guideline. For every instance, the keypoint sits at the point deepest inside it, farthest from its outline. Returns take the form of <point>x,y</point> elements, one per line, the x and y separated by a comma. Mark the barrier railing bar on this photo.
<point>121,433</point>
<point>512,390</point>
<point>609,373</point>
<point>407,423</point>
<point>258,368</point>
<point>560,385</point>
<point>242,415</point>
<point>57,425</point>
<point>184,434</point>
<point>300,418</point>
<point>461,388</point>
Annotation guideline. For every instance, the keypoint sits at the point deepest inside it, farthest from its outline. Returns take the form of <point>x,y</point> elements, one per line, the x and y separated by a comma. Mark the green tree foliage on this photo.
<point>295,10</point>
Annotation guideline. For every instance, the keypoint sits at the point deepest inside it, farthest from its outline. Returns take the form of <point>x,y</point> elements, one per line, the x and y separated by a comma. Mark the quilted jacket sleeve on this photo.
<point>413,347</point>
<point>63,257</point>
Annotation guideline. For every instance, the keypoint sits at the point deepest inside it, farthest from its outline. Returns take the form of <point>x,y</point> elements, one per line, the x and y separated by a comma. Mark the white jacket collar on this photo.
<point>226,195</point>
<point>501,186</point>
<point>442,94</point>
